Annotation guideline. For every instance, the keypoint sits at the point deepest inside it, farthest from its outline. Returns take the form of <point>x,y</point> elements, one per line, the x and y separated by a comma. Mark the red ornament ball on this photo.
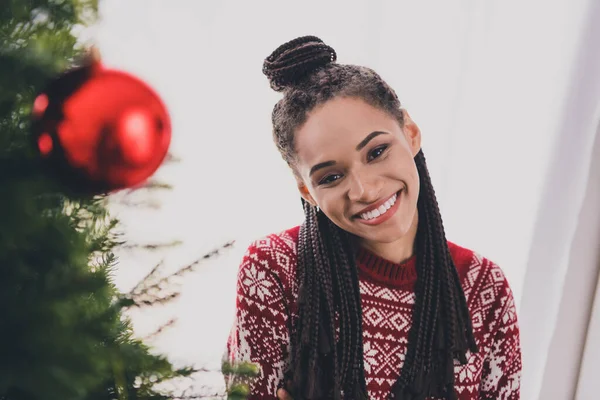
<point>100,130</point>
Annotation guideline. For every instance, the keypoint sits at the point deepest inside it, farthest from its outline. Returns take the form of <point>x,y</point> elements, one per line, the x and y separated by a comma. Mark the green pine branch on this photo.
<point>158,289</point>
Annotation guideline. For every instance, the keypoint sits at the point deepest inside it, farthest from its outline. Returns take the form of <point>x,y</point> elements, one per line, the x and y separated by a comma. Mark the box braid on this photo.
<point>325,364</point>
<point>325,289</point>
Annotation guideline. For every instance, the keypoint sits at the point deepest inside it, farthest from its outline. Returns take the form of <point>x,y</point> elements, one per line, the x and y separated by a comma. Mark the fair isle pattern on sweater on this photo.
<point>265,308</point>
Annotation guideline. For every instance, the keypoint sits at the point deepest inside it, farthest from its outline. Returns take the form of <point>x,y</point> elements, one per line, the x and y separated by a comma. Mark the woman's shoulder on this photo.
<point>484,283</point>
<point>276,254</point>
<point>274,246</point>
<point>471,265</point>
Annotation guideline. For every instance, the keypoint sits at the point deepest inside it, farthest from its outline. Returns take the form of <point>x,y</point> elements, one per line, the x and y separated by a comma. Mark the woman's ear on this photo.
<point>305,193</point>
<point>412,133</point>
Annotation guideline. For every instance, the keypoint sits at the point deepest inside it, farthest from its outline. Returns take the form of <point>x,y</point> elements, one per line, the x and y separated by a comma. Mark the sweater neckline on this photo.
<point>378,269</point>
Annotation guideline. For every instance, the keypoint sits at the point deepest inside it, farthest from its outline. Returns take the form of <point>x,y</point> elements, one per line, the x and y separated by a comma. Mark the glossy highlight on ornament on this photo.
<point>45,144</point>
<point>100,130</point>
<point>136,131</point>
<point>40,104</point>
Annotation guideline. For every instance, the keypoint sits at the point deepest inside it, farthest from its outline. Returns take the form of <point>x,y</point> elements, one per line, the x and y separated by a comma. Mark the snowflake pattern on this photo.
<point>256,284</point>
<point>267,292</point>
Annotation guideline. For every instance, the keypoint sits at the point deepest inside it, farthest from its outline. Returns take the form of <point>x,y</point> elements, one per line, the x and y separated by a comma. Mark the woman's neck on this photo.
<point>397,251</point>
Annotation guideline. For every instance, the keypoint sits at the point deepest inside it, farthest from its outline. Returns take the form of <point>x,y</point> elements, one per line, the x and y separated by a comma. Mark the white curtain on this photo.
<point>574,340</point>
<point>504,92</point>
<point>565,243</point>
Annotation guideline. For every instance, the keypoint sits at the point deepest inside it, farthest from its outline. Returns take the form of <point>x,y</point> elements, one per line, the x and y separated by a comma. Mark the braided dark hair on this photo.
<point>324,364</point>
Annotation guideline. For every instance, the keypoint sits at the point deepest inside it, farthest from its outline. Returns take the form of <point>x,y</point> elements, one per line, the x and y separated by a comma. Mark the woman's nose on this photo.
<point>364,189</point>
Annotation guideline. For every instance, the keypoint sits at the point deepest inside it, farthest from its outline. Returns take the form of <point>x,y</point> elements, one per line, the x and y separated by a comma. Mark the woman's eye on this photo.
<point>329,179</point>
<point>376,152</point>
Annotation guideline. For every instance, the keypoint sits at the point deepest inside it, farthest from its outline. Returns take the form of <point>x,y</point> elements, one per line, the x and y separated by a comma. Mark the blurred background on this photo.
<point>507,96</point>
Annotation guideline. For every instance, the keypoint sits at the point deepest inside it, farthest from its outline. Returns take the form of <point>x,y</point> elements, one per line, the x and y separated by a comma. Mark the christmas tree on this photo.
<point>64,334</point>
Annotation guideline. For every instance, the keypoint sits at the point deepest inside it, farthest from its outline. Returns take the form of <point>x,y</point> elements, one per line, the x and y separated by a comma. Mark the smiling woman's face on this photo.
<point>356,163</point>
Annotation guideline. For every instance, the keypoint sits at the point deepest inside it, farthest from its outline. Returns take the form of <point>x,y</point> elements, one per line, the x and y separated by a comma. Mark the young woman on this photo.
<point>366,299</point>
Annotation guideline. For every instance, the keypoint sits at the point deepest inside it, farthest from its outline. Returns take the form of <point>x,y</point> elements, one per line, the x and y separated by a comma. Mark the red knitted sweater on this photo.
<point>266,301</point>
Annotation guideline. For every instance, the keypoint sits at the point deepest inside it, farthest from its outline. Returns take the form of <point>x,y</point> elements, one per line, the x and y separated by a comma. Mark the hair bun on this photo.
<point>293,61</point>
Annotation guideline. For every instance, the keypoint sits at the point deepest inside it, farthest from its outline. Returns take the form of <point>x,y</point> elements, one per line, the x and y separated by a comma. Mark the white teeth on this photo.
<point>381,210</point>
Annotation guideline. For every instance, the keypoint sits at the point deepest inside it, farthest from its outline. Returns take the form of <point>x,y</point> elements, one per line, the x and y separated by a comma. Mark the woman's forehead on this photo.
<point>345,112</point>
<point>341,122</point>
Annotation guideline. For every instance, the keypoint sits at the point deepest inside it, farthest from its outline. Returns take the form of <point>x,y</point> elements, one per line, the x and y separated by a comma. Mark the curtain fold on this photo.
<point>561,203</point>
